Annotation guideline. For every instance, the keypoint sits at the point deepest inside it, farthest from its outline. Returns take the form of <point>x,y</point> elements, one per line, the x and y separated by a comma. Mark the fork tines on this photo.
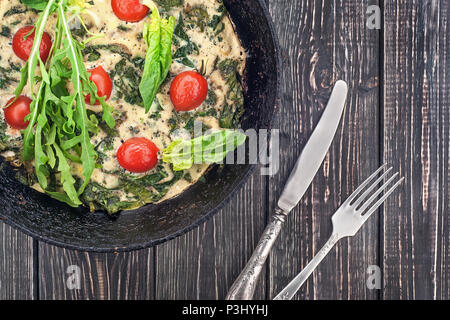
<point>365,206</point>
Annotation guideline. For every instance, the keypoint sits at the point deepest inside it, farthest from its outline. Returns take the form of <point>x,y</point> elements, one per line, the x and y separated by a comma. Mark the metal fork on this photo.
<point>347,221</point>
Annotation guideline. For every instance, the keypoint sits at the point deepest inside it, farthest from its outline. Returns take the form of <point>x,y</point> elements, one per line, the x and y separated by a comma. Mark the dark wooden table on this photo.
<point>397,113</point>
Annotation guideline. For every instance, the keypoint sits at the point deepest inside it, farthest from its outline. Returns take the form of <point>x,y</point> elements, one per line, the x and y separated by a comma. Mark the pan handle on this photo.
<point>244,286</point>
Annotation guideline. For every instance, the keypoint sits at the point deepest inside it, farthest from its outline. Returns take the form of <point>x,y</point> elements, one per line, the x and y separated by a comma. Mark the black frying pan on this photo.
<point>51,221</point>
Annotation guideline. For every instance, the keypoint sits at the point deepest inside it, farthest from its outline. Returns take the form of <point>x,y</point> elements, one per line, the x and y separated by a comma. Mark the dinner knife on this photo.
<point>301,177</point>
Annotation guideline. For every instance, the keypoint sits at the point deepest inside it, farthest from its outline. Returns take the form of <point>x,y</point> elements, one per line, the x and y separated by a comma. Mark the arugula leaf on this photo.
<point>60,127</point>
<point>28,147</point>
<point>28,71</point>
<point>51,139</point>
<point>40,158</point>
<point>61,197</point>
<point>158,36</point>
<point>67,179</point>
<point>28,75</point>
<point>211,148</point>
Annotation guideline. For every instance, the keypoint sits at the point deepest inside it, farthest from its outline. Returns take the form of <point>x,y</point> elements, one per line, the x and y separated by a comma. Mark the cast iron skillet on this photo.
<point>53,222</point>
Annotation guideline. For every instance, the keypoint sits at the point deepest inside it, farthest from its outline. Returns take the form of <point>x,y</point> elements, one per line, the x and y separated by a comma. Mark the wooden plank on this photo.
<point>324,41</point>
<point>204,263</point>
<point>16,264</point>
<point>102,276</point>
<point>416,132</point>
<point>219,249</point>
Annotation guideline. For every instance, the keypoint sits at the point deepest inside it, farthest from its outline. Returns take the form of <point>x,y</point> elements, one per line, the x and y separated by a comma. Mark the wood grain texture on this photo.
<point>204,263</point>
<point>16,265</point>
<point>416,140</point>
<point>324,41</point>
<point>124,276</point>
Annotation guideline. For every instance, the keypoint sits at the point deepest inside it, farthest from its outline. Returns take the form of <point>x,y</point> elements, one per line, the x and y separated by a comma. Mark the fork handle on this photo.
<point>244,286</point>
<point>291,289</point>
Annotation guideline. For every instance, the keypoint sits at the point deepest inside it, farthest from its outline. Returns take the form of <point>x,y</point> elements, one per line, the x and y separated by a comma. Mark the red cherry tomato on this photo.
<point>129,10</point>
<point>138,155</point>
<point>188,91</point>
<point>103,82</point>
<point>15,114</point>
<point>22,47</point>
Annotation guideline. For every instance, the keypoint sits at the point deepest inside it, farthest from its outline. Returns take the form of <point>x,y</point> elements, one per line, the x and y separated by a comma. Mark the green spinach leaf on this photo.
<point>169,4</point>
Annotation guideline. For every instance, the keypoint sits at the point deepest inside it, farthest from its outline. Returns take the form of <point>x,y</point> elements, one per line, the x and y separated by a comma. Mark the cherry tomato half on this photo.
<point>22,45</point>
<point>15,114</point>
<point>188,91</point>
<point>138,155</point>
<point>129,10</point>
<point>103,82</point>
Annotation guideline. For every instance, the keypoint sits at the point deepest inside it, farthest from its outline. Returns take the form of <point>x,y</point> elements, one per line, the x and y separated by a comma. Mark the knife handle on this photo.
<point>244,286</point>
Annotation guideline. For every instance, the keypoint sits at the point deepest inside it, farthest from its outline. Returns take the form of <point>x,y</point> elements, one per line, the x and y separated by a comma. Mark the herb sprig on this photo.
<point>158,35</point>
<point>60,129</point>
<point>208,148</point>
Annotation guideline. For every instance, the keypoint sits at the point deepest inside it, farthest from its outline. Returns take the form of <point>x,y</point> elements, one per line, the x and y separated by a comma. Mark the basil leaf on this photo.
<point>167,28</point>
<point>35,4</point>
<point>180,154</point>
<point>152,70</point>
<point>158,35</point>
<point>211,148</point>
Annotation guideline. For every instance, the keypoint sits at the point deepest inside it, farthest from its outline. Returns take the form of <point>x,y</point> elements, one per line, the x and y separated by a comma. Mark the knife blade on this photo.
<point>315,149</point>
<point>301,177</point>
